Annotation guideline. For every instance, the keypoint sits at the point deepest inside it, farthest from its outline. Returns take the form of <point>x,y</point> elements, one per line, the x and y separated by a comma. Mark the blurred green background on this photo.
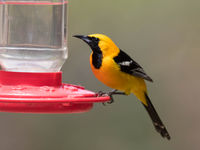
<point>163,36</point>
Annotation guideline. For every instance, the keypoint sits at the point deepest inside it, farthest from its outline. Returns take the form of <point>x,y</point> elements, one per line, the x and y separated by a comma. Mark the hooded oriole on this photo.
<point>117,70</point>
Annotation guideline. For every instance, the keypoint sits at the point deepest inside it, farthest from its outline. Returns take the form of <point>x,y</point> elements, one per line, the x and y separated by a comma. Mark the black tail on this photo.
<point>159,126</point>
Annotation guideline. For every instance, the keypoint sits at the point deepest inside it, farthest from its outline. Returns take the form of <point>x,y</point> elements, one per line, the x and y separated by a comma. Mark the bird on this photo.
<point>119,71</point>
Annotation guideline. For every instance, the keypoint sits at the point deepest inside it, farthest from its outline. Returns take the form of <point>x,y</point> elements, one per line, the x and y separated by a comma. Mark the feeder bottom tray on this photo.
<point>43,93</point>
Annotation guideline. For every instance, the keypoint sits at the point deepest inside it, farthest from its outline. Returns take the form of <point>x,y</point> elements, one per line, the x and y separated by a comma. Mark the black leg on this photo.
<point>116,92</point>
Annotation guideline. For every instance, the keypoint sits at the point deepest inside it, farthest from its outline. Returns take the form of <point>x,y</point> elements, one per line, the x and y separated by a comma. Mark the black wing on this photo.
<point>128,65</point>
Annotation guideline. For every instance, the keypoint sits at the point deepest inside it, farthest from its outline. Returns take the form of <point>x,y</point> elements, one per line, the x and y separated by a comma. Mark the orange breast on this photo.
<point>110,74</point>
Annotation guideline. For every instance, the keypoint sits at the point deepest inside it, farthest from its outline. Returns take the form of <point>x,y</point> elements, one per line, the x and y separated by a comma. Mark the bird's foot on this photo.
<point>110,94</point>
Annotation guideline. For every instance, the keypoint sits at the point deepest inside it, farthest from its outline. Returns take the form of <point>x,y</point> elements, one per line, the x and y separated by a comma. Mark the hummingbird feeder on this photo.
<point>33,48</point>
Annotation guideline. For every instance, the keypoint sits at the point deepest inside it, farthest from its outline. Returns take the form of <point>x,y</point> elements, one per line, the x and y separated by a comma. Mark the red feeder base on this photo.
<point>43,93</point>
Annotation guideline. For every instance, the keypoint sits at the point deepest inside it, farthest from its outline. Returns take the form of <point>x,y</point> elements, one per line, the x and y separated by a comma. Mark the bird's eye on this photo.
<point>95,39</point>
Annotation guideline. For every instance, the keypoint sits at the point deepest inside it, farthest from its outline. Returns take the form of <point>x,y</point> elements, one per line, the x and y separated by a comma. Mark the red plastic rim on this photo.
<point>43,93</point>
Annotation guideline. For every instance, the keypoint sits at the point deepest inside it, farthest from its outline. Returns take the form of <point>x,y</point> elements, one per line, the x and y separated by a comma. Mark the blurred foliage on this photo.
<point>163,36</point>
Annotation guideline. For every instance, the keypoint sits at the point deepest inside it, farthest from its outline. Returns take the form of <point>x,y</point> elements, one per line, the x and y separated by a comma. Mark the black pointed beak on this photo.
<point>84,38</point>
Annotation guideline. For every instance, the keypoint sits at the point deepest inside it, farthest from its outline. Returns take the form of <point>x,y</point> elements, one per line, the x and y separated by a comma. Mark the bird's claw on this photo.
<point>110,94</point>
<point>111,100</point>
<point>101,93</point>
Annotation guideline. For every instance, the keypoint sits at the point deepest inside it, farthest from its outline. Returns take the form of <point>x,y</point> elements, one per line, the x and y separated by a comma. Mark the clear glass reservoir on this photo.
<point>33,35</point>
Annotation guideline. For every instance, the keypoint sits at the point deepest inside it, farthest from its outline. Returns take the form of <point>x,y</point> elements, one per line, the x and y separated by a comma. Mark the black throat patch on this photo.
<point>97,59</point>
<point>97,53</point>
